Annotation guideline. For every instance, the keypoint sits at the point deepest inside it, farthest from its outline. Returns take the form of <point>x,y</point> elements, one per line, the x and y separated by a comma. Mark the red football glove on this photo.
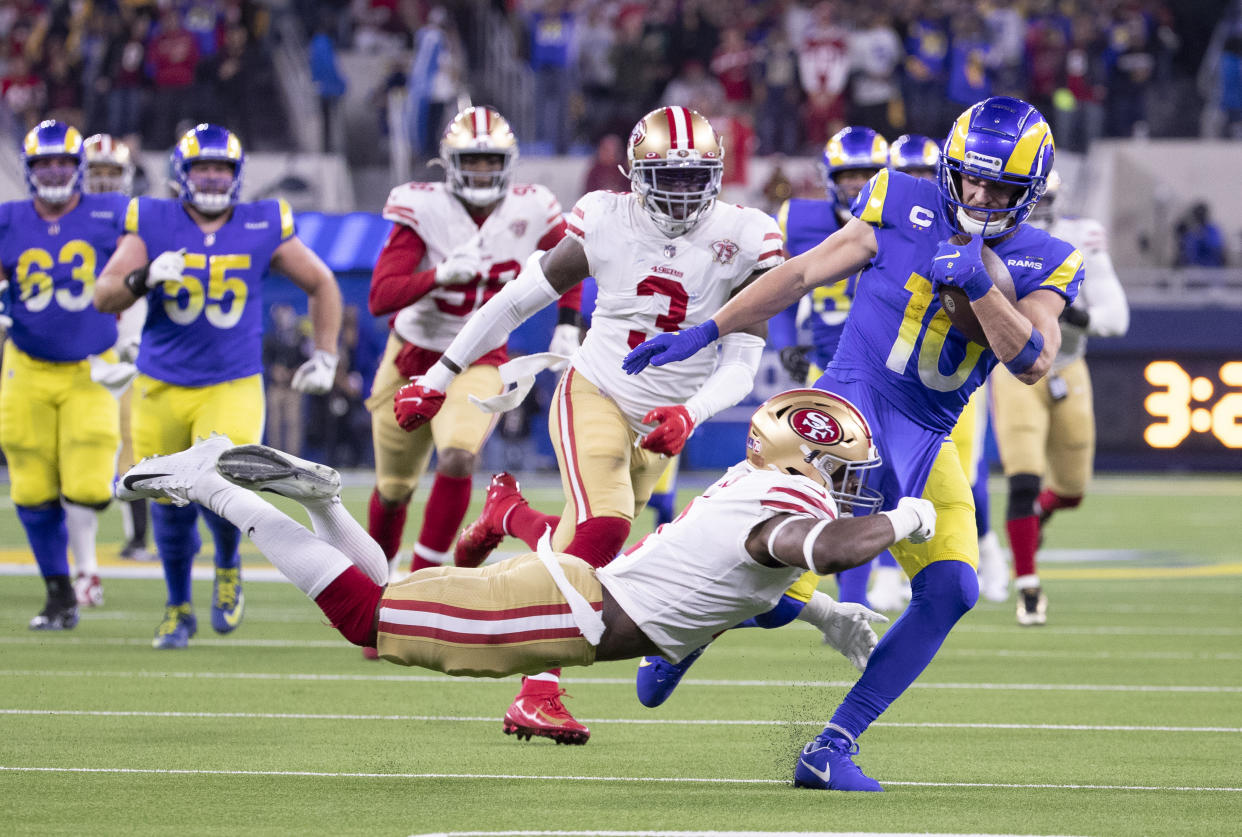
<point>415,405</point>
<point>669,436</point>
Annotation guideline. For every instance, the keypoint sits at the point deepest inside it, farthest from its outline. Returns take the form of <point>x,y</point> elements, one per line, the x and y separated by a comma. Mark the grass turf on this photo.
<point>1119,717</point>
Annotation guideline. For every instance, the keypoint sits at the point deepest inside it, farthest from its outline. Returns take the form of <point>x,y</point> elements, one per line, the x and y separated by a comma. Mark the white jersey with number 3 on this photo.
<point>649,283</point>
<point>693,578</point>
<point>505,240</point>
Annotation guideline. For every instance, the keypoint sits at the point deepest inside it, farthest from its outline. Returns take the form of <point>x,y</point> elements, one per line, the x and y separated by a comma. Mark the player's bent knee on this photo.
<point>455,462</point>
<point>949,588</point>
<point>1023,489</point>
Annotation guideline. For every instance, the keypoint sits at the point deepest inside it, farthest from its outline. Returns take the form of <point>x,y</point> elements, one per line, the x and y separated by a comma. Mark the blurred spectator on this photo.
<point>1230,85</point>
<point>969,56</point>
<point>639,67</point>
<point>283,353</point>
<point>823,68</point>
<point>695,89</point>
<point>63,85</point>
<point>381,26</point>
<point>1046,50</point>
<point>1131,64</point>
<point>96,37</point>
<point>1006,34</point>
<point>1199,242</point>
<point>597,76</point>
<point>1078,111</point>
<point>23,92</point>
<point>732,65</point>
<point>777,94</point>
<point>434,82</point>
<point>173,61</point>
<point>240,70</point>
<point>875,55</point>
<point>605,172</point>
<point>692,35</point>
<point>737,131</point>
<point>125,61</point>
<point>778,189</point>
<point>926,72</point>
<point>551,54</point>
<point>326,76</point>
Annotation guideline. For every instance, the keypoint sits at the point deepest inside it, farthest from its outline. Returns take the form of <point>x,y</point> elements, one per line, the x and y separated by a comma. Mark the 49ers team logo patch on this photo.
<point>816,426</point>
<point>725,251</point>
<point>518,228</point>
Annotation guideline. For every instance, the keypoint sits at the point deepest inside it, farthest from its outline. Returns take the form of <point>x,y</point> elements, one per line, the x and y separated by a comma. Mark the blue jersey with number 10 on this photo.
<point>897,337</point>
<point>51,267</point>
<point>210,329</point>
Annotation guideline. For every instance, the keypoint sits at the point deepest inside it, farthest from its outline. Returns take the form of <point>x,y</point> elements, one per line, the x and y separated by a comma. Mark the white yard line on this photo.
<point>491,719</point>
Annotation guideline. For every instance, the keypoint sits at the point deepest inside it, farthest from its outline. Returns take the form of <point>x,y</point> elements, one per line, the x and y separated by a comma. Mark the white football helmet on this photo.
<point>109,165</point>
<point>821,436</point>
<point>676,164</point>
<point>478,131</point>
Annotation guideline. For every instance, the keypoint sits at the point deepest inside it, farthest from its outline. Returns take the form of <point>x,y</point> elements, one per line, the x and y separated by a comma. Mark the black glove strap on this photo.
<point>137,281</point>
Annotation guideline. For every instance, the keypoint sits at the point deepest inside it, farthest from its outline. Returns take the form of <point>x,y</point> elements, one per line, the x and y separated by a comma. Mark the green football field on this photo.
<point>1123,716</point>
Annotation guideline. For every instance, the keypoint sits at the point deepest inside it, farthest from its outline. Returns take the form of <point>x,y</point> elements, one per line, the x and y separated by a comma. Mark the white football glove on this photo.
<point>6,322</point>
<point>461,266</point>
<point>913,519</point>
<point>167,268</point>
<point>315,377</point>
<point>846,626</point>
<point>565,339</point>
<point>115,377</point>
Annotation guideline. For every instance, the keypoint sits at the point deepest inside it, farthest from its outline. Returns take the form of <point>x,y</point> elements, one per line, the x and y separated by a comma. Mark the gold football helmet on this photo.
<point>476,132</point>
<point>676,162</point>
<point>109,165</point>
<point>821,436</point>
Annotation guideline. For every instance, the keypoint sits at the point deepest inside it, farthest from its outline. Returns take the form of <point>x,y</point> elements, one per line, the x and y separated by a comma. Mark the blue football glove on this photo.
<point>961,265</point>
<point>670,346</point>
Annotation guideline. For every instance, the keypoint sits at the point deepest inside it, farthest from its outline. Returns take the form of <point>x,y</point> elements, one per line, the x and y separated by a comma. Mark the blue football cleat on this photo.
<point>825,764</point>
<point>178,626</point>
<point>227,601</point>
<point>657,677</point>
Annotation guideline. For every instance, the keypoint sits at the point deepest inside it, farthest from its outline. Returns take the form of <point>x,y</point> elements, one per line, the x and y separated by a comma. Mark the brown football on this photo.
<point>957,305</point>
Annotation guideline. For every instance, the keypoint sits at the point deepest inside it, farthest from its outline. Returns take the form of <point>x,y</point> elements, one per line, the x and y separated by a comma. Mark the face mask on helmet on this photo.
<point>52,158</point>
<point>1003,140</point>
<point>211,189</point>
<point>820,436</point>
<point>109,167</point>
<point>677,197</point>
<point>1045,212</point>
<point>478,151</point>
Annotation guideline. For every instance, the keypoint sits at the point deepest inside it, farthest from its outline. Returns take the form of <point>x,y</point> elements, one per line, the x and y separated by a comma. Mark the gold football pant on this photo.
<point>1053,438</point>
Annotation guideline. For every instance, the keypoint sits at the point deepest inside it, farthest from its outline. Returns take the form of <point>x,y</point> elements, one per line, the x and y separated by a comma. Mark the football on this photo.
<point>957,305</point>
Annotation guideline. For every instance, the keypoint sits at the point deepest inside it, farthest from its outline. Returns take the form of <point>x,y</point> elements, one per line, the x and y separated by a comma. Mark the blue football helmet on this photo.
<point>52,138</point>
<point>914,154</point>
<point>207,142</point>
<point>851,149</point>
<point>1001,139</point>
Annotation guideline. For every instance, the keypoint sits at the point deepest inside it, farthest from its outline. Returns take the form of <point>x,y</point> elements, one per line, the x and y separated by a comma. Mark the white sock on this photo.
<point>334,524</point>
<point>309,562</point>
<point>546,677</point>
<point>83,524</point>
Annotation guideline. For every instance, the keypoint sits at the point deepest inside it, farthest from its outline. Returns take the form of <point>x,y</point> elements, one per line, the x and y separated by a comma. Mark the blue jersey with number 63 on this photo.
<point>210,329</point>
<point>898,338</point>
<point>51,267</point>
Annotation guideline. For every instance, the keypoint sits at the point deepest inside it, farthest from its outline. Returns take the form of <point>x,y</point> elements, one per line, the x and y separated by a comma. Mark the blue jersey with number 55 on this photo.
<point>897,337</point>
<point>51,267</point>
<point>210,329</point>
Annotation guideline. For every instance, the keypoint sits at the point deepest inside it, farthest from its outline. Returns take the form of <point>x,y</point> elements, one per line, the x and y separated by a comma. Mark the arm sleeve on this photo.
<point>733,379</point>
<point>1104,296</point>
<point>394,282</point>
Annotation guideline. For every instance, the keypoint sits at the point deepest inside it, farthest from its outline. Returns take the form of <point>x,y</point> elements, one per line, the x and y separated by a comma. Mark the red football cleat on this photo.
<point>369,653</point>
<point>478,539</point>
<point>542,713</point>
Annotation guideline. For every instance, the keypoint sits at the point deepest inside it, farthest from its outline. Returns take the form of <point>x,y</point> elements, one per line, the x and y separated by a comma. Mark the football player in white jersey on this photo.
<point>728,557</point>
<point>453,246</point>
<point>662,256</point>
<point>1046,432</point>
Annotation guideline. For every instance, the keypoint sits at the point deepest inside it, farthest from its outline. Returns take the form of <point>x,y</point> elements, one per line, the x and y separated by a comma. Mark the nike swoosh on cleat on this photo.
<point>233,618</point>
<point>644,663</point>
<point>953,255</point>
<point>824,775</point>
<point>131,480</point>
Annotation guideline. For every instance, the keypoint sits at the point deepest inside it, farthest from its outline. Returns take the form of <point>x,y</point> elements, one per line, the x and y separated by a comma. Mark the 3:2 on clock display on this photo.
<point>1181,404</point>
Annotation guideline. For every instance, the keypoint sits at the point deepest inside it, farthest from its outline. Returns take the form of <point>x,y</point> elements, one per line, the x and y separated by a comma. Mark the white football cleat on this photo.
<point>173,475</point>
<point>88,590</point>
<point>993,569</point>
<point>261,468</point>
<point>889,589</point>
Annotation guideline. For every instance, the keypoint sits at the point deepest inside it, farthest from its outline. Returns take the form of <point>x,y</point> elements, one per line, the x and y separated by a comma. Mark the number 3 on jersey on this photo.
<point>678,300</point>
<point>222,301</point>
<point>933,334</point>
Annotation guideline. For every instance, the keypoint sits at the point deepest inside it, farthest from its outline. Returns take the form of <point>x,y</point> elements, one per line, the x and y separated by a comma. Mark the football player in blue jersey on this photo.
<point>903,364</point>
<point>200,260</point>
<point>59,429</point>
